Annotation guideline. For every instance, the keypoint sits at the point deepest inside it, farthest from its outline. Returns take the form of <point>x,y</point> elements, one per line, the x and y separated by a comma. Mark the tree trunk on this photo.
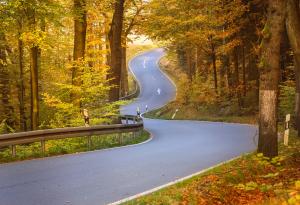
<point>214,59</point>
<point>124,72</point>
<point>244,72</point>
<point>80,25</point>
<point>224,68</point>
<point>115,39</point>
<point>34,53</point>
<point>237,75</point>
<point>5,92</point>
<point>269,78</point>
<point>293,30</point>
<point>23,124</point>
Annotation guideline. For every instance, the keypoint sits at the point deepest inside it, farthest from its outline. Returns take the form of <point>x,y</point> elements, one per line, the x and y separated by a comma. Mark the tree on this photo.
<point>115,39</point>
<point>5,91</point>
<point>269,78</point>
<point>80,25</point>
<point>293,30</point>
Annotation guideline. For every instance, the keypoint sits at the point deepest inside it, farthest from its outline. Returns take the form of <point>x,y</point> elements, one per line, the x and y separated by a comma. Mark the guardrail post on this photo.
<point>140,132</point>
<point>89,142</point>
<point>43,147</point>
<point>13,150</point>
<point>120,135</point>
<point>126,120</point>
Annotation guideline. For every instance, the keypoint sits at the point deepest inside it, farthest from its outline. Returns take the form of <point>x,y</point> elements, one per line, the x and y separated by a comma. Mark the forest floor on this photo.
<point>250,179</point>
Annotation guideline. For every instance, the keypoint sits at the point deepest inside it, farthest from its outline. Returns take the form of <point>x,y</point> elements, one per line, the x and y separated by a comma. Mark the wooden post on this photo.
<point>13,150</point>
<point>287,130</point>
<point>43,147</point>
<point>89,142</point>
<point>120,138</point>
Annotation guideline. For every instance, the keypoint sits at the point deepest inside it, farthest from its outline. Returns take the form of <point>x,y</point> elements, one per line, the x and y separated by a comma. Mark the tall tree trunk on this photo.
<point>214,63</point>
<point>115,39</point>
<point>5,92</point>
<point>244,72</point>
<point>293,30</point>
<point>224,68</point>
<point>124,72</point>
<point>237,75</point>
<point>269,78</point>
<point>34,53</point>
<point>80,25</point>
<point>23,124</point>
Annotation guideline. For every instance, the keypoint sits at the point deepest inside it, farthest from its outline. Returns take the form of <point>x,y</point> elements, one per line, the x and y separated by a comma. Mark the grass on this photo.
<point>69,146</point>
<point>190,113</point>
<point>250,179</point>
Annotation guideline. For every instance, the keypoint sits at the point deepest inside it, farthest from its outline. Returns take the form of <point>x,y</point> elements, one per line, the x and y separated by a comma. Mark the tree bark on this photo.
<point>269,78</point>
<point>237,75</point>
<point>223,69</point>
<point>115,39</point>
<point>5,92</point>
<point>244,72</point>
<point>34,53</point>
<point>214,59</point>
<point>80,25</point>
<point>293,30</point>
<point>23,124</point>
<point>124,72</point>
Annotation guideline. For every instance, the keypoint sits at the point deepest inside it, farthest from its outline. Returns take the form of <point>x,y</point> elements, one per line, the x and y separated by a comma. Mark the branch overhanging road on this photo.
<point>178,149</point>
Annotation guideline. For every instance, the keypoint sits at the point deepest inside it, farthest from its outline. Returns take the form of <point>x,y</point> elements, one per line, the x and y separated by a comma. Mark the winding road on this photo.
<point>178,149</point>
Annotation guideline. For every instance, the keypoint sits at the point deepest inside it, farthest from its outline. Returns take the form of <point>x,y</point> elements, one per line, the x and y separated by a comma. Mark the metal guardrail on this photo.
<point>136,126</point>
<point>134,94</point>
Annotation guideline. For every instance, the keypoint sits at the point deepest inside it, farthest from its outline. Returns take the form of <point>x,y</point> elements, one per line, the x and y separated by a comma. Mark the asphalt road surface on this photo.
<point>178,149</point>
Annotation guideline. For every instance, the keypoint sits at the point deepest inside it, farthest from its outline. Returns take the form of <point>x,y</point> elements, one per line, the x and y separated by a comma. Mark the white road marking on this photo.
<point>158,91</point>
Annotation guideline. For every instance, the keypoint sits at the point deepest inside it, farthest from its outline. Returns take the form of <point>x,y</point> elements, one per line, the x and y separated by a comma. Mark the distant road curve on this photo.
<point>178,149</point>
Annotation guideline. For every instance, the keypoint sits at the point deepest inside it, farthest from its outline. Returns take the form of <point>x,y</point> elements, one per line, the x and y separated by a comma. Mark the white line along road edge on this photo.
<point>172,183</point>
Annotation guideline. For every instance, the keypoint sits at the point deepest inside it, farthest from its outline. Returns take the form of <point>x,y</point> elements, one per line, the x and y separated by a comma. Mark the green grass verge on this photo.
<point>70,145</point>
<point>190,113</point>
<point>250,179</point>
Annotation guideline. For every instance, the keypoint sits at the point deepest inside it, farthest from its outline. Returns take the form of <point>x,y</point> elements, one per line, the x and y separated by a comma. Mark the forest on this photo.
<point>232,67</point>
<point>60,57</point>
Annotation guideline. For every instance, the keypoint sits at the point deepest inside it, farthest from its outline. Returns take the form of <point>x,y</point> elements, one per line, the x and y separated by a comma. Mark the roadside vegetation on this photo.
<point>209,108</point>
<point>250,180</point>
<point>231,64</point>
<point>71,146</point>
<point>77,145</point>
